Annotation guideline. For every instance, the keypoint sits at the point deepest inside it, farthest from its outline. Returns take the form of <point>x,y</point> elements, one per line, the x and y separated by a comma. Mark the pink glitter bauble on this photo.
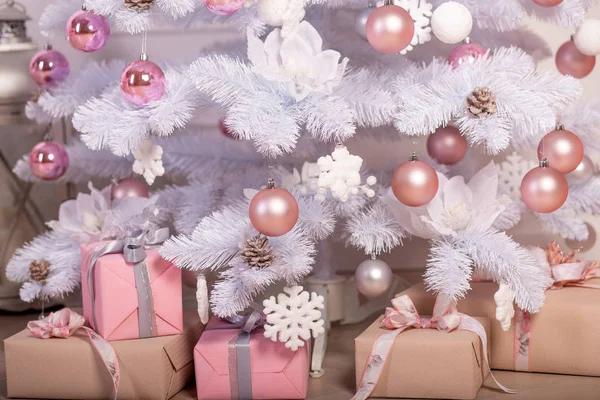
<point>273,212</point>
<point>544,189</point>
<point>415,183</point>
<point>87,31</point>
<point>390,29</point>
<point>570,61</point>
<point>563,150</point>
<point>224,7</point>
<point>142,82</point>
<point>129,187</point>
<point>466,53</point>
<point>547,3</point>
<point>447,146</point>
<point>48,160</point>
<point>48,68</point>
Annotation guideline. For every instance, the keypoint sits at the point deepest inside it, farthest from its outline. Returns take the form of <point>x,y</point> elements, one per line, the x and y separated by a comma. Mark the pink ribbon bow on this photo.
<point>403,315</point>
<point>63,324</point>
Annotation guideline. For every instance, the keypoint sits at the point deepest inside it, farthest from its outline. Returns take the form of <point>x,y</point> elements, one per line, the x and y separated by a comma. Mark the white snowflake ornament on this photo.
<point>510,174</point>
<point>421,12</point>
<point>148,161</point>
<point>340,173</point>
<point>293,316</point>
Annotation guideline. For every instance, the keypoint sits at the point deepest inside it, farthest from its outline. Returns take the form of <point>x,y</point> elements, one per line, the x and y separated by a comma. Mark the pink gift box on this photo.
<point>116,303</point>
<point>277,372</point>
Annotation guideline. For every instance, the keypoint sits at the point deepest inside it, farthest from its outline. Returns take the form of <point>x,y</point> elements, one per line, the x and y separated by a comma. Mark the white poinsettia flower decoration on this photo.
<point>307,180</point>
<point>297,60</point>
<point>456,207</point>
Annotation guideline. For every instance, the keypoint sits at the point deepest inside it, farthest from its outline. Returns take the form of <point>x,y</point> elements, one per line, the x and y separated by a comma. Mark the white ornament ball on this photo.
<point>373,278</point>
<point>587,37</point>
<point>451,22</point>
<point>371,180</point>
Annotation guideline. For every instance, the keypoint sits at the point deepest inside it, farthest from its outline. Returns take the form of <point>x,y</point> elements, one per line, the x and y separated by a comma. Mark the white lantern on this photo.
<point>16,50</point>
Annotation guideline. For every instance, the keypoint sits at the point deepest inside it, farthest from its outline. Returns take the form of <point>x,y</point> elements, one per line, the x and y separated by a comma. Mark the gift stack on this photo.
<point>135,345</point>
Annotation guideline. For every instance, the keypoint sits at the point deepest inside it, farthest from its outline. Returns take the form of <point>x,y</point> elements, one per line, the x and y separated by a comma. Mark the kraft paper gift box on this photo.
<point>564,335</point>
<point>426,363</point>
<point>116,300</point>
<point>151,369</point>
<point>276,371</point>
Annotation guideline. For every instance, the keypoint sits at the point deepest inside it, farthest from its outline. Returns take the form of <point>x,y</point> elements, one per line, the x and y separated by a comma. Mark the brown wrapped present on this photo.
<point>421,363</point>
<point>155,368</point>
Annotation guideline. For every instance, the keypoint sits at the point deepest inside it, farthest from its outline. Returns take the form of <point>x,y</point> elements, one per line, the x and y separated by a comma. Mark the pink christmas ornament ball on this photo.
<point>447,146</point>
<point>129,187</point>
<point>48,160</point>
<point>390,29</point>
<point>466,53</point>
<point>570,61</point>
<point>142,82</point>
<point>48,68</point>
<point>547,3</point>
<point>563,150</point>
<point>273,211</point>
<point>87,31</point>
<point>544,189</point>
<point>415,183</point>
<point>224,7</point>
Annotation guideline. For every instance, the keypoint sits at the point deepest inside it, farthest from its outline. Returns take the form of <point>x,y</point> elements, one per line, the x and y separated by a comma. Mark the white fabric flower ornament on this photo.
<point>340,173</point>
<point>148,161</point>
<point>297,60</point>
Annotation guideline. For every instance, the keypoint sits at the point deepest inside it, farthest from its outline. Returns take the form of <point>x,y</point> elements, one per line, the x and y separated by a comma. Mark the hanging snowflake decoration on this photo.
<point>148,161</point>
<point>421,12</point>
<point>293,316</point>
<point>340,173</point>
<point>511,173</point>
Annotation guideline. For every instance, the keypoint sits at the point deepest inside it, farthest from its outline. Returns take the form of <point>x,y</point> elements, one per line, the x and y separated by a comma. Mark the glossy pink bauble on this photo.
<point>466,53</point>
<point>390,29</point>
<point>571,61</point>
<point>544,189</point>
<point>273,212</point>
<point>224,7</point>
<point>87,31</point>
<point>563,150</point>
<point>48,68</point>
<point>447,146</point>
<point>129,187</point>
<point>48,160</point>
<point>225,131</point>
<point>142,82</point>
<point>415,183</point>
<point>547,3</point>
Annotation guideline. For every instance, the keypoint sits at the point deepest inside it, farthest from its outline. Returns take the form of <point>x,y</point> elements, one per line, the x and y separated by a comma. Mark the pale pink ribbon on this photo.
<point>403,316</point>
<point>63,324</point>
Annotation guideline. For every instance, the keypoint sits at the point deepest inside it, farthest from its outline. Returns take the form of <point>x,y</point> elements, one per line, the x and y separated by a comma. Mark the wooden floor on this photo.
<point>338,382</point>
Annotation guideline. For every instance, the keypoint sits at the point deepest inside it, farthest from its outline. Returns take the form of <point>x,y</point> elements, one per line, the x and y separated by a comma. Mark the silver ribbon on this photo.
<point>134,250</point>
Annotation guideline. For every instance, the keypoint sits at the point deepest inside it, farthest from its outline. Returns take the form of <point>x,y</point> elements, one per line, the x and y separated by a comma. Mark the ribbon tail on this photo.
<point>146,312</point>
<point>108,355</point>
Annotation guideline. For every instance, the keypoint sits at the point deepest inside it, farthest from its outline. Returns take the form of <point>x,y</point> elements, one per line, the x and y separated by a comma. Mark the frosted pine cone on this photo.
<point>38,271</point>
<point>138,5</point>
<point>258,253</point>
<point>481,102</point>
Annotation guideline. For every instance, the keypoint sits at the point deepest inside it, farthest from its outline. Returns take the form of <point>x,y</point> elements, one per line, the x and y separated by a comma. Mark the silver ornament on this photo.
<point>360,25</point>
<point>584,171</point>
<point>373,277</point>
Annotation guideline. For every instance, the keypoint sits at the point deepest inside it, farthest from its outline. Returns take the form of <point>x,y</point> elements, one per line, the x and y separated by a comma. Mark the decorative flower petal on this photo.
<point>456,192</point>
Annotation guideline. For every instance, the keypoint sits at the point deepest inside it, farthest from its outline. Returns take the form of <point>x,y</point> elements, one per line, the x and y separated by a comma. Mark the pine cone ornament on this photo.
<point>38,271</point>
<point>481,102</point>
<point>138,5</point>
<point>258,253</point>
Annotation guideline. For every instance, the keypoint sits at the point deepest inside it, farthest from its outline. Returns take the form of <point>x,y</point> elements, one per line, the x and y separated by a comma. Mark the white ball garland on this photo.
<point>587,37</point>
<point>452,22</point>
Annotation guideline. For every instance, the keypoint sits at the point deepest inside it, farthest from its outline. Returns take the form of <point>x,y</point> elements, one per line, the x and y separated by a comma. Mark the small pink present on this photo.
<point>265,370</point>
<point>130,300</point>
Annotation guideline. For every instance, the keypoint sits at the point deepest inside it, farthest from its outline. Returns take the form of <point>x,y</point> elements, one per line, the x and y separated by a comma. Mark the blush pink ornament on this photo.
<point>547,3</point>
<point>466,53</point>
<point>48,160</point>
<point>570,61</point>
<point>48,68</point>
<point>447,146</point>
<point>142,82</point>
<point>129,187</point>
<point>87,31</point>
<point>224,7</point>
<point>390,29</point>
<point>415,183</point>
<point>273,211</point>
<point>563,150</point>
<point>544,189</point>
